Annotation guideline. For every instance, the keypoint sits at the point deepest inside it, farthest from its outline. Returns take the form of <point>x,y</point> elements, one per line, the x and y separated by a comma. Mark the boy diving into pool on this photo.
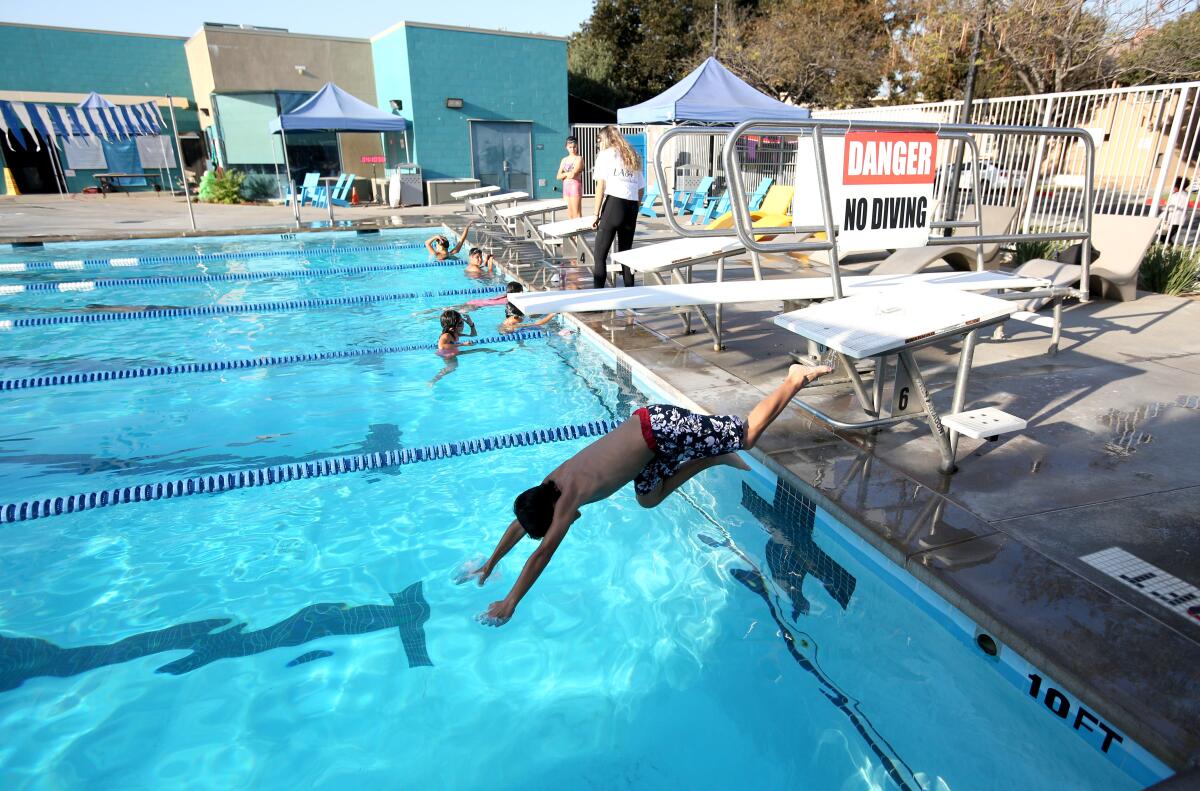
<point>659,448</point>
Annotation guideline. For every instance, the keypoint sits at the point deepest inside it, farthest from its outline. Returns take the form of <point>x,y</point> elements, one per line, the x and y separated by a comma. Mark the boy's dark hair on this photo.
<point>476,251</point>
<point>1182,183</point>
<point>451,319</point>
<point>534,508</point>
<point>572,139</point>
<point>511,311</point>
<point>514,287</point>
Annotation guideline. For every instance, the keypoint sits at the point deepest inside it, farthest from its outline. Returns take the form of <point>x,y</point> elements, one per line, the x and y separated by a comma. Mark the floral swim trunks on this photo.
<point>677,436</point>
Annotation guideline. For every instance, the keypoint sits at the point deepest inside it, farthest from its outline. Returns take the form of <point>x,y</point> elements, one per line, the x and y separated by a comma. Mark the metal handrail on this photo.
<point>817,127</point>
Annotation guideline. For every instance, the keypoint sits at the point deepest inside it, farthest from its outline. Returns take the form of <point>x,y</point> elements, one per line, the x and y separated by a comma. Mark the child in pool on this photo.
<point>513,316</point>
<point>480,264</point>
<point>439,246</point>
<point>452,331</point>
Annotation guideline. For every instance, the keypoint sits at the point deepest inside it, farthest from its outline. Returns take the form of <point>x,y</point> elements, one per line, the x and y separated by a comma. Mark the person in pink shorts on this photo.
<point>570,173</point>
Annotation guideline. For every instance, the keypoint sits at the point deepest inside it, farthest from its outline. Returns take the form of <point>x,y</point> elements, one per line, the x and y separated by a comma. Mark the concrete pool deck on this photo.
<point>1109,459</point>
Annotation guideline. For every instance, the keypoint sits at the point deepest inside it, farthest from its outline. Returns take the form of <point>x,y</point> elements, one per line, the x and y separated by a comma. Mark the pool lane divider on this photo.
<point>198,258</point>
<point>283,473</point>
<point>86,377</point>
<point>163,280</point>
<point>249,307</point>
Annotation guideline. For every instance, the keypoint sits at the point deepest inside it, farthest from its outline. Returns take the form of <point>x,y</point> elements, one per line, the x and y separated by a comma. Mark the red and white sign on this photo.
<point>373,160</point>
<point>880,188</point>
<point>886,195</point>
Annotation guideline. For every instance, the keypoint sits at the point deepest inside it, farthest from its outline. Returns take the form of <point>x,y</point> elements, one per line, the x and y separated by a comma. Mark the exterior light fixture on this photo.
<point>454,104</point>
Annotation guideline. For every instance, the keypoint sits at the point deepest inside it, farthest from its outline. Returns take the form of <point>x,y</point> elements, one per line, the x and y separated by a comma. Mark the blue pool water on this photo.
<point>308,634</point>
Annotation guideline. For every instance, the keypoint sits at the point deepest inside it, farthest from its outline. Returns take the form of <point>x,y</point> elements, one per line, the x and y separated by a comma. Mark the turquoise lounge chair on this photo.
<point>714,208</point>
<point>648,201</point>
<point>685,202</point>
<point>307,189</point>
<point>760,193</point>
<point>342,198</point>
<point>323,193</point>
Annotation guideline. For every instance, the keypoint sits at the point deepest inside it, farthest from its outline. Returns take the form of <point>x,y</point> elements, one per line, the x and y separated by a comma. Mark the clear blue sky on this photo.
<point>359,18</point>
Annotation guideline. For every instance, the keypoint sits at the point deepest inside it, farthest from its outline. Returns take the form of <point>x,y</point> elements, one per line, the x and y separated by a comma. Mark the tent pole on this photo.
<point>187,194</point>
<point>288,167</point>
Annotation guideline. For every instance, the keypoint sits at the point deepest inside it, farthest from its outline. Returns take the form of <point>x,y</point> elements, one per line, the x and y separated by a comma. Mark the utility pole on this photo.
<point>964,117</point>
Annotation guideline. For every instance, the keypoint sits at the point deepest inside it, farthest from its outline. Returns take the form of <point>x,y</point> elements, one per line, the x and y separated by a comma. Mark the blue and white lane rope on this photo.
<point>249,307</point>
<point>86,377</point>
<point>223,277</point>
<point>282,473</point>
<point>198,258</point>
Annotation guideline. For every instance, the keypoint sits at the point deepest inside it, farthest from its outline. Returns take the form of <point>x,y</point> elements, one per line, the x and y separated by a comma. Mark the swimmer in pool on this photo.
<point>452,331</point>
<point>659,448</point>
<point>513,320</point>
<point>439,246</point>
<point>480,264</point>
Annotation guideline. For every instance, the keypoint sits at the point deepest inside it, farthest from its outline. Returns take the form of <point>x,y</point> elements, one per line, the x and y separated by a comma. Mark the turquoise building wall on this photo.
<point>499,77</point>
<point>61,60</point>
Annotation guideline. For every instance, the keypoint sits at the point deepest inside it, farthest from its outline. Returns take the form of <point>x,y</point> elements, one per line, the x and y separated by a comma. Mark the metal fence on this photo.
<point>1147,139</point>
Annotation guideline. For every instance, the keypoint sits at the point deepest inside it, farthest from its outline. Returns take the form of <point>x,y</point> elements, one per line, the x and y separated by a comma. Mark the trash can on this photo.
<point>404,186</point>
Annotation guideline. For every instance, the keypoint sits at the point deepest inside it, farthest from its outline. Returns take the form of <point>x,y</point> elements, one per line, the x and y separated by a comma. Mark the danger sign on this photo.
<point>886,195</point>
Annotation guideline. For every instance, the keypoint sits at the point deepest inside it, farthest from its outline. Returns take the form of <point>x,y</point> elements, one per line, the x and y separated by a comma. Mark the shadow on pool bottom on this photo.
<point>23,658</point>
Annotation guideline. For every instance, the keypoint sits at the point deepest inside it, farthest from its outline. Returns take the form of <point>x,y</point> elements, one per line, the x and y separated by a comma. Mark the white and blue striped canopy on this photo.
<point>52,121</point>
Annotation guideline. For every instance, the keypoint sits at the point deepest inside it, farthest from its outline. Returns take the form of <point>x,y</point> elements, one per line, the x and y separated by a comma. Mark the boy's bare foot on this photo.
<point>800,375</point>
<point>734,460</point>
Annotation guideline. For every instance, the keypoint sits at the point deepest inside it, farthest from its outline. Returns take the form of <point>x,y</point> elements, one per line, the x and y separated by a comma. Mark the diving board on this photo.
<point>892,323</point>
<point>730,291</point>
<point>490,202</point>
<point>475,192</point>
<point>521,214</point>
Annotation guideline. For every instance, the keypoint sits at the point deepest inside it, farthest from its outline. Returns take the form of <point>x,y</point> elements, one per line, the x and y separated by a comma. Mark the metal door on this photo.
<point>501,154</point>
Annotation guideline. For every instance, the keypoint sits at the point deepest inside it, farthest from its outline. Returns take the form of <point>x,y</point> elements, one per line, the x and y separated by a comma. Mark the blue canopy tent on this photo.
<point>332,109</point>
<point>711,94</point>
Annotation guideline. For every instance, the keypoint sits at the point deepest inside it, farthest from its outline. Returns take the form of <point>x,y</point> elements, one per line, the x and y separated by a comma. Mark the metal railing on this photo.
<point>1146,137</point>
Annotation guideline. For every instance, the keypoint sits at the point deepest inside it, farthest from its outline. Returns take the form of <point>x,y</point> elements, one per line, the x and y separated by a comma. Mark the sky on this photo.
<point>356,18</point>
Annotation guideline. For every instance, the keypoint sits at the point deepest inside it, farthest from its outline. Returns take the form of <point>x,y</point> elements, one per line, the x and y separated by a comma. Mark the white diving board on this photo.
<point>531,207</point>
<point>886,322</point>
<point>475,192</point>
<point>565,229</point>
<point>492,200</point>
<point>735,291</point>
<point>677,253</point>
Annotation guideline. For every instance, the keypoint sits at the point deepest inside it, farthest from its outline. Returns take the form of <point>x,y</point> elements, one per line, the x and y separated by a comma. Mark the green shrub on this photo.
<point>1027,251</point>
<point>227,187</point>
<point>1169,270</point>
<point>206,185</point>
<point>259,187</point>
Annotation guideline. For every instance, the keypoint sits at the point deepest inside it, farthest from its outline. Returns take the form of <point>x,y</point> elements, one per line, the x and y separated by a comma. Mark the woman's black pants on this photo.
<point>617,218</point>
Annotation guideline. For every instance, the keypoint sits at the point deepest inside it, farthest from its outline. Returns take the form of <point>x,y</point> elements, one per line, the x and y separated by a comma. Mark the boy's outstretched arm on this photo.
<point>512,534</point>
<point>462,238</point>
<point>499,612</point>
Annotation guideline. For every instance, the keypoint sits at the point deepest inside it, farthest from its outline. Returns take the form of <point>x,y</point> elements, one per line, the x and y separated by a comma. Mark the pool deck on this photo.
<point>1109,459</point>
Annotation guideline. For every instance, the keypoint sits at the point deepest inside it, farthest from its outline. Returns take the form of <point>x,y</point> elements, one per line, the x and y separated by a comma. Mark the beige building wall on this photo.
<point>235,60</point>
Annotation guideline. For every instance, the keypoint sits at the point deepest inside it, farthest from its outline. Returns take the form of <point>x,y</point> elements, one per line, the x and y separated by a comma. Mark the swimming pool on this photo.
<point>301,627</point>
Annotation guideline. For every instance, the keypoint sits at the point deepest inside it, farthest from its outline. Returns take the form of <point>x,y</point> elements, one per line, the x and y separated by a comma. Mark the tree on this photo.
<point>1169,54</point>
<point>825,53</point>
<point>1028,46</point>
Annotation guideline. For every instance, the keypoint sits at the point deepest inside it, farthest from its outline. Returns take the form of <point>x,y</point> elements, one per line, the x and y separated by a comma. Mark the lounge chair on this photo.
<point>342,197</point>
<point>996,220</point>
<point>308,188</point>
<point>711,209</point>
<point>760,193</point>
<point>777,203</point>
<point>323,194</point>
<point>685,200</point>
<point>1119,243</point>
<point>651,197</point>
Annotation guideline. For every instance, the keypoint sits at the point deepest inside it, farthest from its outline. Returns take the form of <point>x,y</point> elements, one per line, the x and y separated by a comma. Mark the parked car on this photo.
<point>992,178</point>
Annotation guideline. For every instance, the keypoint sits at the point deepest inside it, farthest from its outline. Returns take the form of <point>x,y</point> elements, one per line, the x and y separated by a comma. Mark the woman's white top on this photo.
<point>619,181</point>
<point>1177,207</point>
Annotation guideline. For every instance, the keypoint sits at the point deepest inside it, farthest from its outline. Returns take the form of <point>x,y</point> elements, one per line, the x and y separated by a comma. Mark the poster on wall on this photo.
<point>880,188</point>
<point>156,151</point>
<point>84,153</point>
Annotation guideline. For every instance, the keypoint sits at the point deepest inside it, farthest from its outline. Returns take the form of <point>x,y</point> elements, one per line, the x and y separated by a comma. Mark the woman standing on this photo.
<point>619,186</point>
<point>570,173</point>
